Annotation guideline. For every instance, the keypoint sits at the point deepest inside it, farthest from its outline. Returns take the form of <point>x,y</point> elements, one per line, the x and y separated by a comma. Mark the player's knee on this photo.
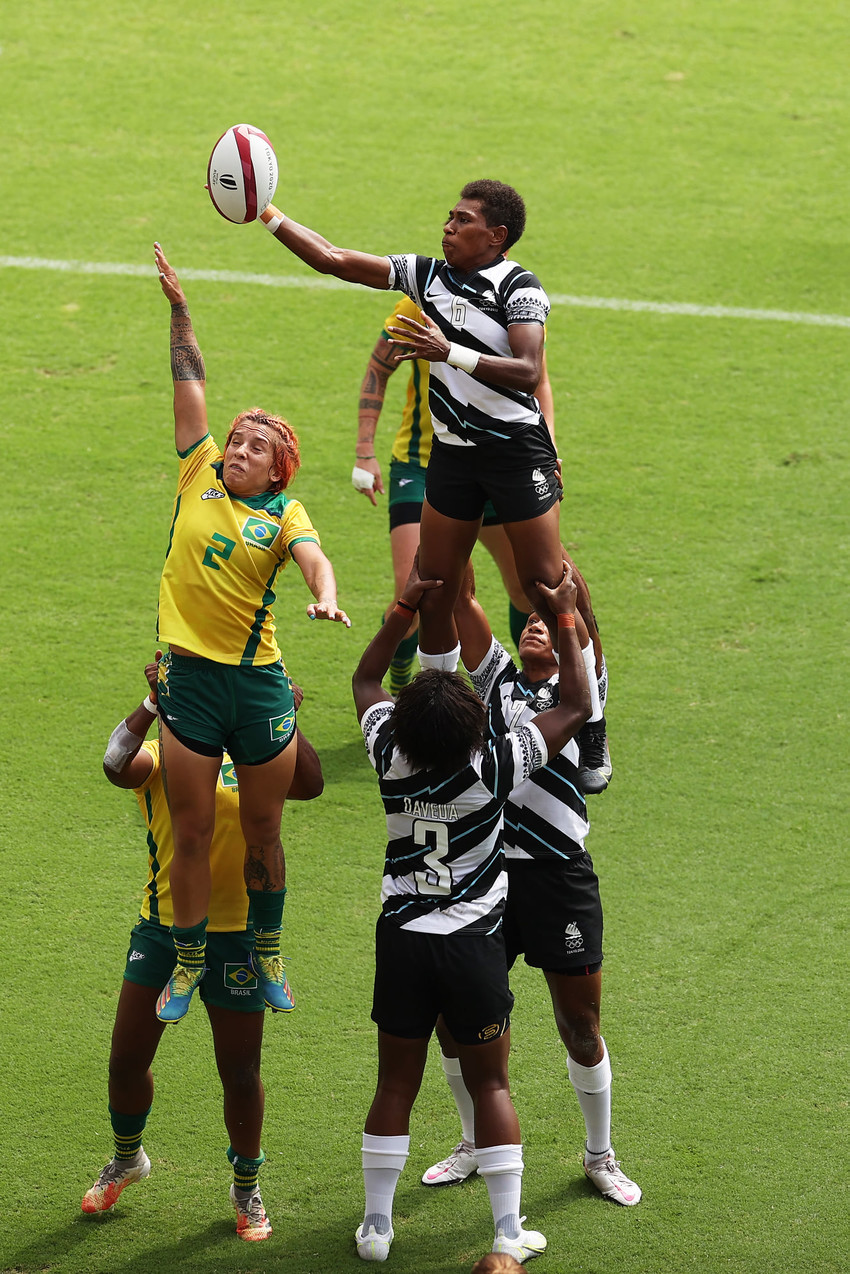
<point>263,832</point>
<point>125,1066</point>
<point>581,1037</point>
<point>192,837</point>
<point>241,1079</point>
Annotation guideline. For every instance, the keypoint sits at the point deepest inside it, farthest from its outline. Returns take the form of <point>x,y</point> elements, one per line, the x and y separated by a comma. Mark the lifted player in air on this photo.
<point>406,480</point>
<point>222,682</point>
<point>553,913</point>
<point>439,944</point>
<point>410,452</point>
<point>480,327</point>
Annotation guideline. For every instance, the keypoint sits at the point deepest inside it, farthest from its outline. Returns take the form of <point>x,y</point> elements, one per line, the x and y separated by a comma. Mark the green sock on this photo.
<point>401,667</point>
<point>127,1131</point>
<point>267,907</point>
<point>517,620</point>
<point>191,945</point>
<point>267,912</point>
<point>245,1171</point>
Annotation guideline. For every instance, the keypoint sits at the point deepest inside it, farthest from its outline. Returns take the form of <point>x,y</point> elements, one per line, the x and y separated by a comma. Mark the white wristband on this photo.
<point>149,704</point>
<point>362,479</point>
<point>273,223</point>
<point>463,357</point>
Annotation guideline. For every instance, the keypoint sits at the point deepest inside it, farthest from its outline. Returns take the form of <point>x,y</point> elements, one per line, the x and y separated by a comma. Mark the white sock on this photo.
<point>463,1101</point>
<point>593,1090</point>
<point>602,683</point>
<point>446,662</point>
<point>501,1167</point>
<point>383,1160</point>
<point>589,657</point>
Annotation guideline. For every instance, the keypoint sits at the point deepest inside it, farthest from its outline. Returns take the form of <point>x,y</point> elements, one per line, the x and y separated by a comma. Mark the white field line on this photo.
<point>320,282</point>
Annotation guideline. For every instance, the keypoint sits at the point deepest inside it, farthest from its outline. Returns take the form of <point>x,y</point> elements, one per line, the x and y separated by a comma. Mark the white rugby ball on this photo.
<point>242,173</point>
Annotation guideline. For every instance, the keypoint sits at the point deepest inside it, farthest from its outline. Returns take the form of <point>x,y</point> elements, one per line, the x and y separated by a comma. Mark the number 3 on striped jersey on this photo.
<point>458,311</point>
<point>437,878</point>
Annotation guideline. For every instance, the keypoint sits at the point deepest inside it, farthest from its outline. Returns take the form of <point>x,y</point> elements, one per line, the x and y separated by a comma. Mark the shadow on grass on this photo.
<point>113,1242</point>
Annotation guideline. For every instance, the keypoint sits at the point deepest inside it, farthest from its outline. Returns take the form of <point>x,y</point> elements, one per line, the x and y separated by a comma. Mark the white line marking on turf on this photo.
<point>321,282</point>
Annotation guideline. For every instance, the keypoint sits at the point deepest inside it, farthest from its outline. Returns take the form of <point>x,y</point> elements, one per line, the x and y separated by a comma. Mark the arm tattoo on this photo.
<point>187,362</point>
<point>371,404</point>
<point>371,384</point>
<point>391,362</point>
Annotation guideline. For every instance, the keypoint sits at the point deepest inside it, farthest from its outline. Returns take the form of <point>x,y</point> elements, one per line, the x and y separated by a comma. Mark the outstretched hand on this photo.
<point>168,279</point>
<point>562,598</point>
<point>328,610</point>
<point>422,337</point>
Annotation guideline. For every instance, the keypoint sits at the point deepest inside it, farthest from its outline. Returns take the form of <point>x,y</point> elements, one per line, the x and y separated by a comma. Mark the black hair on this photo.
<point>501,206</point>
<point>439,721</point>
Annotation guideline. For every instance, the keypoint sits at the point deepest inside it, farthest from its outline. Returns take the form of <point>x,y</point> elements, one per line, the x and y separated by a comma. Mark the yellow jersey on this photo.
<point>228,909</point>
<point>224,553</point>
<point>413,441</point>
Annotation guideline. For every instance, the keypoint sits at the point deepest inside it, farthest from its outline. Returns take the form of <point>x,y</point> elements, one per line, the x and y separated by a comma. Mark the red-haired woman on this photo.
<point>222,683</point>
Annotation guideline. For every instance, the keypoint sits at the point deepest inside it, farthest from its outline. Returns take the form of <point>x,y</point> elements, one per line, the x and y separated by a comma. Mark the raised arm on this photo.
<point>473,627</point>
<point>319,254</point>
<point>124,764</point>
<point>319,578</point>
<point>521,370</point>
<point>187,363</point>
<point>383,361</point>
<point>559,724</point>
<point>376,658</point>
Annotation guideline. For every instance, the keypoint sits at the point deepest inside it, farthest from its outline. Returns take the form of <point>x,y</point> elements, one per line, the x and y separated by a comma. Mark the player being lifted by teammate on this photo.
<point>480,327</point>
<point>222,682</point>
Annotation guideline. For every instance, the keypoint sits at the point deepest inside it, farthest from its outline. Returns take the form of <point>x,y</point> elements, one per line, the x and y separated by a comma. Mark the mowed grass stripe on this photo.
<point>680,308</point>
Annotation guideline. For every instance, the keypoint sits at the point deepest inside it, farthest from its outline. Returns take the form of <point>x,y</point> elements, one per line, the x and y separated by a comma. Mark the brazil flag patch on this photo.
<point>260,532</point>
<point>281,727</point>
<point>241,976</point>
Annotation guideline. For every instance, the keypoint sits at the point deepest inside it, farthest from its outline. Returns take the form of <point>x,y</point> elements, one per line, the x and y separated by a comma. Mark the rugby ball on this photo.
<point>242,173</point>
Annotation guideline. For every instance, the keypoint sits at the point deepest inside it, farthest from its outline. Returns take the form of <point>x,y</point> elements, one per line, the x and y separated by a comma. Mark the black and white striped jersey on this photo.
<point>474,310</point>
<point>546,816</point>
<point>444,869</point>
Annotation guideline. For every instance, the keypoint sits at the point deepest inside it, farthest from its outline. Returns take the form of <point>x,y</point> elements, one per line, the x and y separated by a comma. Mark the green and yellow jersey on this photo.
<point>228,909</point>
<point>413,441</point>
<point>224,554</point>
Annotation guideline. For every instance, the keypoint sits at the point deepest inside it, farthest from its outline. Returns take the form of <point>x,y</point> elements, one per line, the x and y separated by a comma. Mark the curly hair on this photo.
<point>286,453</point>
<point>439,721</point>
<point>501,206</point>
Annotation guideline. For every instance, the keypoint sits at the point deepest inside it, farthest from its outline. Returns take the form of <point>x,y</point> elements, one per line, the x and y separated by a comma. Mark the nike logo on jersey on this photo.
<point>404,482</point>
<point>212,494</point>
<point>136,955</point>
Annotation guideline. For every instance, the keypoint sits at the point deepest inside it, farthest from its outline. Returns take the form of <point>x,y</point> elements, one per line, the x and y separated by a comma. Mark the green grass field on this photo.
<point>672,153</point>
